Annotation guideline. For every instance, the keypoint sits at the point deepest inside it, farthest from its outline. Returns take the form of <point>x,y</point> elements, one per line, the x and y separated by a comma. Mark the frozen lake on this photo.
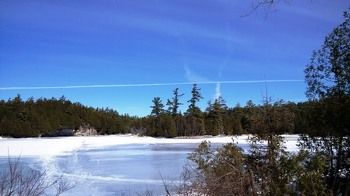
<point>111,165</point>
<point>117,170</point>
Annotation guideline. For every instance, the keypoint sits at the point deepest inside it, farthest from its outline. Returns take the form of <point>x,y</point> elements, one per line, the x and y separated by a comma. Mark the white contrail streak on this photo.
<point>146,84</point>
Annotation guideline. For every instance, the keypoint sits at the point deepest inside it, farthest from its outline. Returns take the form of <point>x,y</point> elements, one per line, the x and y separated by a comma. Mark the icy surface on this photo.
<point>47,147</point>
<point>115,164</point>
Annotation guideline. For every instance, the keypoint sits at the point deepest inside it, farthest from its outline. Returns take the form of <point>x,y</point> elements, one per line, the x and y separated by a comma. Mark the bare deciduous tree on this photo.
<point>17,180</point>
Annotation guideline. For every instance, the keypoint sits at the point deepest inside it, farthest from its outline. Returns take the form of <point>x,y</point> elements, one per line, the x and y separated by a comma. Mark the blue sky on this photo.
<point>88,42</point>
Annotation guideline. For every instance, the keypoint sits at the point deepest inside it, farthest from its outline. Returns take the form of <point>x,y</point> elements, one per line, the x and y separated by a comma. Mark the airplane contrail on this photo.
<point>146,84</point>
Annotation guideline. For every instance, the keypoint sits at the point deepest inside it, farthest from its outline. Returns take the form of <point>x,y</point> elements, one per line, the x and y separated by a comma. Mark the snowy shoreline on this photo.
<point>50,147</point>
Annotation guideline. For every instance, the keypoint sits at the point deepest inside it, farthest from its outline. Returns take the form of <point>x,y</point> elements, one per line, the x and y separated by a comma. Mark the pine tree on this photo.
<point>194,117</point>
<point>174,103</point>
<point>216,111</point>
<point>157,107</point>
<point>196,97</point>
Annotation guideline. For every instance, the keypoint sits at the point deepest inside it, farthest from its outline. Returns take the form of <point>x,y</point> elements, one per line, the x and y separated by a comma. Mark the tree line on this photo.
<point>50,117</point>
<point>166,120</point>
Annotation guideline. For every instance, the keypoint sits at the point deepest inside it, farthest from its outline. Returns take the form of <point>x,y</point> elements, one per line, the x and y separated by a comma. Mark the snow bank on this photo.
<point>49,147</point>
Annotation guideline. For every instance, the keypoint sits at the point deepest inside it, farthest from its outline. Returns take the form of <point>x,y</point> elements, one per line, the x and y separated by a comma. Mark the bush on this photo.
<point>266,170</point>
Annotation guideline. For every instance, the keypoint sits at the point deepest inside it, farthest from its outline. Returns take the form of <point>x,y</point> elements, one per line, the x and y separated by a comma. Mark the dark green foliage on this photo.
<point>157,107</point>
<point>328,79</point>
<point>275,118</point>
<point>266,170</point>
<point>52,117</point>
<point>220,172</point>
<point>328,73</point>
<point>174,103</point>
<point>215,117</point>
<point>194,116</point>
<point>193,109</point>
<point>162,123</point>
<point>168,126</point>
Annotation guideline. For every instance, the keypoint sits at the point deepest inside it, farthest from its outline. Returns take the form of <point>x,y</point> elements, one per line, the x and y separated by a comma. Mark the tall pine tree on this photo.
<point>174,103</point>
<point>194,117</point>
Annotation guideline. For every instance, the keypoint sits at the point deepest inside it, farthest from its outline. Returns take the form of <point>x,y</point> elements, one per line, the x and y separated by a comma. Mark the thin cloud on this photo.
<point>218,90</point>
<point>175,27</point>
<point>193,77</point>
<point>148,84</point>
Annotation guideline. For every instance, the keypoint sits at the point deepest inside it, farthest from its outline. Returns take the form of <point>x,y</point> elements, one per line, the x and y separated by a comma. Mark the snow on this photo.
<point>291,142</point>
<point>109,170</point>
<point>50,147</point>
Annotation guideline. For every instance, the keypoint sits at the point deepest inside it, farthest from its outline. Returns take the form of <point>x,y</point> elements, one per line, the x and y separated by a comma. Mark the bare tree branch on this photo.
<point>15,180</point>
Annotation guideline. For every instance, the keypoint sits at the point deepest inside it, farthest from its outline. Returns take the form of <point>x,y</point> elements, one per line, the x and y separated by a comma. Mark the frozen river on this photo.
<point>111,165</point>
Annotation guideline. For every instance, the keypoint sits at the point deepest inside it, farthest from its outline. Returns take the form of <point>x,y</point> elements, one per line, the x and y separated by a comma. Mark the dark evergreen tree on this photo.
<point>216,112</point>
<point>328,80</point>
<point>196,97</point>
<point>157,116</point>
<point>174,103</point>
<point>157,107</point>
<point>194,116</point>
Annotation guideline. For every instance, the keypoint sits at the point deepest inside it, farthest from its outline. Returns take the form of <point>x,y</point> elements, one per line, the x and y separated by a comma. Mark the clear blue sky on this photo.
<point>89,42</point>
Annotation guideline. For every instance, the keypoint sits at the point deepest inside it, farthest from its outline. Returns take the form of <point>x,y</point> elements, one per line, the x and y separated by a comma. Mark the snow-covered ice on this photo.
<point>109,165</point>
<point>47,147</point>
